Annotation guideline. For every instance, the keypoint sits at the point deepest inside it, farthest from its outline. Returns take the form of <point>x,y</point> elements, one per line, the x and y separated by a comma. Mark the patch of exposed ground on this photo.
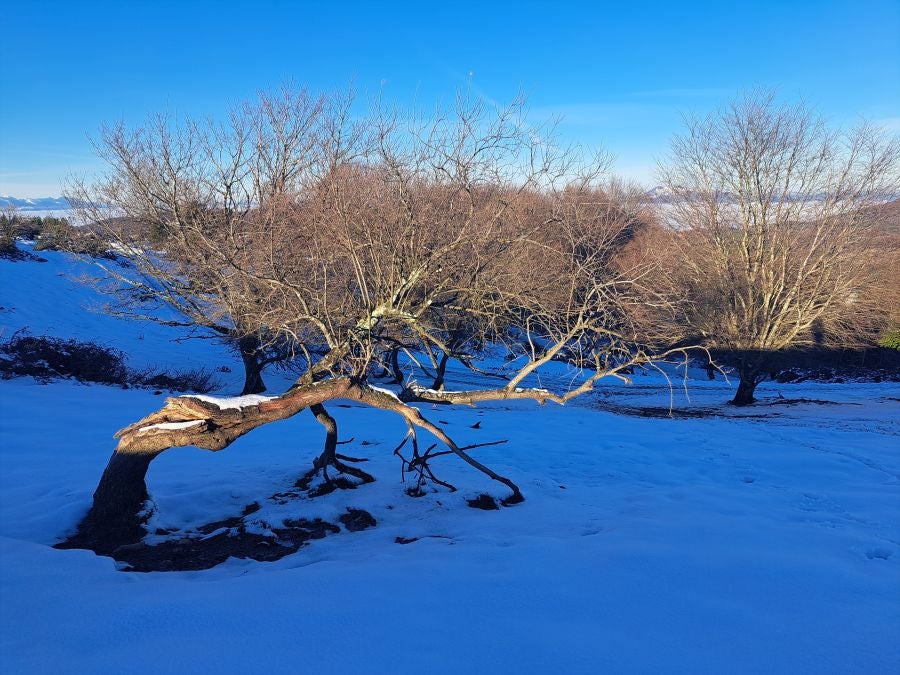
<point>214,543</point>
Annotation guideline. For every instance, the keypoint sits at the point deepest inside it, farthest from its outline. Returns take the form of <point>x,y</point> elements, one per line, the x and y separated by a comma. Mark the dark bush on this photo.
<point>46,358</point>
<point>7,235</point>
<point>822,364</point>
<point>198,380</point>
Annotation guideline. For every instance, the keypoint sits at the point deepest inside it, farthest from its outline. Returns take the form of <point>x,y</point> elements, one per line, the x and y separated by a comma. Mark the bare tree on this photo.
<point>766,243</point>
<point>352,237</point>
<point>168,185</point>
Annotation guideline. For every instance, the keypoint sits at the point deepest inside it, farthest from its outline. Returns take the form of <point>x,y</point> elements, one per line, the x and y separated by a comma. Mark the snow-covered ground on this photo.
<point>756,540</point>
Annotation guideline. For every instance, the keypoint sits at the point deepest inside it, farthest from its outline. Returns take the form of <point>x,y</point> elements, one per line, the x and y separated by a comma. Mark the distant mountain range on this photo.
<point>36,204</point>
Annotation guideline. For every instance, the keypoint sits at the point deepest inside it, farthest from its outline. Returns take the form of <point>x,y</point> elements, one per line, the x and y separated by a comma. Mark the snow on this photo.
<point>435,392</point>
<point>171,426</point>
<point>49,299</point>
<point>29,206</point>
<point>124,249</point>
<point>760,539</point>
<point>383,391</point>
<point>233,402</point>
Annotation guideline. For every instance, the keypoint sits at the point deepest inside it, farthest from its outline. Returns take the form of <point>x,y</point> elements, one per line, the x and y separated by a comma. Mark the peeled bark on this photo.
<point>205,425</point>
<point>114,519</point>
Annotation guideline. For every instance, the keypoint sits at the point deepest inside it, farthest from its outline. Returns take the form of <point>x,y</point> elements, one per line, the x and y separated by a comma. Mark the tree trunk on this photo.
<point>744,394</point>
<point>395,365</point>
<point>329,453</point>
<point>330,458</point>
<point>441,371</point>
<point>115,517</point>
<point>253,382</point>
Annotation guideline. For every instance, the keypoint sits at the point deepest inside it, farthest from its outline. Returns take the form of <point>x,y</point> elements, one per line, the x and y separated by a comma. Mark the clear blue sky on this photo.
<point>621,74</point>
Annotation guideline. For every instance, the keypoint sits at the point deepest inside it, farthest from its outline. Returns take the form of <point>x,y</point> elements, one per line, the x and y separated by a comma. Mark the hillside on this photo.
<point>775,530</point>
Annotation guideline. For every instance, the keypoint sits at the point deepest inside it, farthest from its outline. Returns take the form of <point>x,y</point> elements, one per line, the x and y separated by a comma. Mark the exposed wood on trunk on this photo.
<point>220,427</point>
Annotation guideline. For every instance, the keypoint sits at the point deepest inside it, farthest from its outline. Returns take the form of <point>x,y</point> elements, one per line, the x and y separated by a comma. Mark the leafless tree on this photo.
<point>769,231</point>
<point>351,237</point>
<point>168,185</point>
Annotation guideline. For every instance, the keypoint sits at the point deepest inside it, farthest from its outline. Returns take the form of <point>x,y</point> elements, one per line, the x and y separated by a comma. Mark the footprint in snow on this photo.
<point>878,553</point>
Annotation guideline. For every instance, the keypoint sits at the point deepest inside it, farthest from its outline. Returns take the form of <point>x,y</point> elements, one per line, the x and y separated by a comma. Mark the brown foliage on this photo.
<point>349,237</point>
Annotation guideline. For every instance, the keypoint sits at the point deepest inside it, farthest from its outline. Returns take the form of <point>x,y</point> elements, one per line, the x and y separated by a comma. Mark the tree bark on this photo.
<point>331,458</point>
<point>744,394</point>
<point>750,368</point>
<point>115,517</point>
<point>395,365</point>
<point>253,382</point>
<point>438,384</point>
<point>329,453</point>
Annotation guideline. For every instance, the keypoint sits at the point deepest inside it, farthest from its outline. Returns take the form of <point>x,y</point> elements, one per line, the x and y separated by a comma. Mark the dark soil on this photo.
<point>812,401</point>
<point>484,502</point>
<point>201,553</point>
<point>660,412</point>
<point>512,500</point>
<point>215,542</point>
<point>356,520</point>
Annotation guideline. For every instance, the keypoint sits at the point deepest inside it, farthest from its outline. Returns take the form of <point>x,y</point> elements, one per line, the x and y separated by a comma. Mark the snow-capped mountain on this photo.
<point>36,204</point>
<point>660,195</point>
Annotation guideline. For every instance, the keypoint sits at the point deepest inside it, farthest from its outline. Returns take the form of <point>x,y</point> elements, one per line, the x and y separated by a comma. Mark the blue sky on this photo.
<point>621,75</point>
